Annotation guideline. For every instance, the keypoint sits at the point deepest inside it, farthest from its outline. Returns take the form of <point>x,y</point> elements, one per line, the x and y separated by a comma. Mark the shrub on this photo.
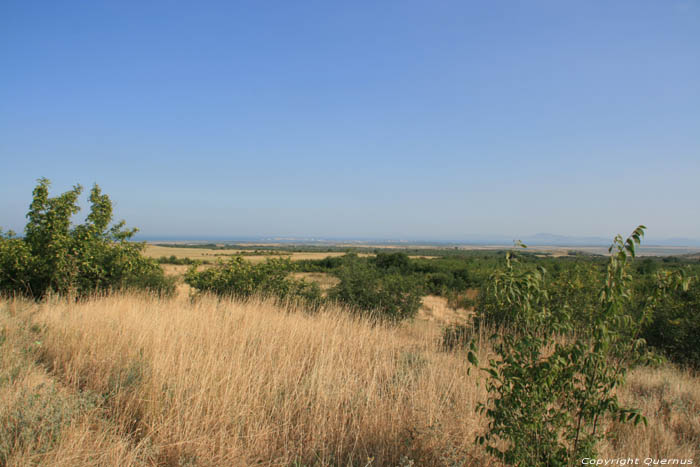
<point>242,279</point>
<point>172,259</point>
<point>572,290</point>
<point>675,322</point>
<point>438,283</point>
<point>54,256</point>
<point>552,387</point>
<point>392,296</point>
<point>501,303</point>
<point>397,262</point>
<point>16,265</point>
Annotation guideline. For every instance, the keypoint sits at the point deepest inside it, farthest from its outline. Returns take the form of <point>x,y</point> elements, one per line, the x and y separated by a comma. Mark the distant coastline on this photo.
<point>663,248</point>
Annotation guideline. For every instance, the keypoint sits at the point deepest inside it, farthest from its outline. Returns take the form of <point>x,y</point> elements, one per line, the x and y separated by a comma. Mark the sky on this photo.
<point>434,120</point>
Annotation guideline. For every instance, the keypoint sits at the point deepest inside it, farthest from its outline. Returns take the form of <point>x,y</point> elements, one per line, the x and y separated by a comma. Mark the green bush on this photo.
<point>363,286</point>
<point>395,262</point>
<point>326,264</point>
<point>438,283</point>
<point>54,256</point>
<point>572,289</point>
<point>675,324</point>
<point>242,279</point>
<point>552,387</point>
<point>565,288</point>
<point>172,259</point>
<point>16,265</point>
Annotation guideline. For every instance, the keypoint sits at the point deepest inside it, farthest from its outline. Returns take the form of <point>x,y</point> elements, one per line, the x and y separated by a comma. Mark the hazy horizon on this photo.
<point>391,120</point>
<point>539,239</point>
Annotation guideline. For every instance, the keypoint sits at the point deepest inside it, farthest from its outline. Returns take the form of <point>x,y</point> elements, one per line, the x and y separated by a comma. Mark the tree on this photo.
<point>56,257</point>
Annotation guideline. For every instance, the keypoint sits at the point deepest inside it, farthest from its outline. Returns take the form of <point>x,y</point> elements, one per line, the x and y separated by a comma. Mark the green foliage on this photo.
<point>363,286</point>
<point>392,296</point>
<point>503,301</point>
<point>242,279</point>
<point>574,290</point>
<point>647,266</point>
<point>571,287</point>
<point>326,264</point>
<point>16,265</point>
<point>395,262</point>
<point>436,276</point>
<point>172,259</point>
<point>675,323</point>
<point>56,257</point>
<point>553,384</point>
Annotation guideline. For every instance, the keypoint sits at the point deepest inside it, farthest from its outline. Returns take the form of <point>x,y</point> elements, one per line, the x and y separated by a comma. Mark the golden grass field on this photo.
<point>324,281</point>
<point>156,251</point>
<point>132,379</point>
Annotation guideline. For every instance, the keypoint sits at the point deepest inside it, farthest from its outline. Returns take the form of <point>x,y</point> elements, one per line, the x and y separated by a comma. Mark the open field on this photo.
<point>136,380</point>
<point>274,250</point>
<point>157,251</point>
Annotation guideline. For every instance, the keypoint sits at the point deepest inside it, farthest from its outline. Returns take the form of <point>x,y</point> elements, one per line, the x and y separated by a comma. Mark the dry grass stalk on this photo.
<point>218,382</point>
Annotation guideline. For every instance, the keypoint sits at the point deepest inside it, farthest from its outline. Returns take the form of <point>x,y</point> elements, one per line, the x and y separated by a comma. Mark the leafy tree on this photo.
<point>55,256</point>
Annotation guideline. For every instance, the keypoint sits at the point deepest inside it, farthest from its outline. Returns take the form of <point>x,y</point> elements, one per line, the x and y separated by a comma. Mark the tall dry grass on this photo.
<point>217,382</point>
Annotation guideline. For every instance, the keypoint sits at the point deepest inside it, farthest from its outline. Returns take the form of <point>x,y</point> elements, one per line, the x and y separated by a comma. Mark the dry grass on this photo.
<point>325,281</point>
<point>134,380</point>
<point>156,251</point>
<point>436,310</point>
<point>670,399</point>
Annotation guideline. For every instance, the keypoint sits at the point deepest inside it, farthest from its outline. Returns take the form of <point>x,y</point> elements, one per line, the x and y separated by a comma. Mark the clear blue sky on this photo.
<point>430,119</point>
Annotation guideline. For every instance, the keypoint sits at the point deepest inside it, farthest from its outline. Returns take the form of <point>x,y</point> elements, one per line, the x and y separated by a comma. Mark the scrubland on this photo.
<point>203,254</point>
<point>132,379</point>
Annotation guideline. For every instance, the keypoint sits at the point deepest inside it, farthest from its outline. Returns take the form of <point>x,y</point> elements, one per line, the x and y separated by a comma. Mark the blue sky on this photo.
<point>405,119</point>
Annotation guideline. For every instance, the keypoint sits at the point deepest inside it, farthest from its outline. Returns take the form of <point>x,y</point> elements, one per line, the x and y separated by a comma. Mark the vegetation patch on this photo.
<point>56,257</point>
<point>241,279</point>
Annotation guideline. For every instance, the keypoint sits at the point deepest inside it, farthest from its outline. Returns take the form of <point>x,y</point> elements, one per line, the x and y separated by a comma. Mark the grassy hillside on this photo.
<point>137,380</point>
